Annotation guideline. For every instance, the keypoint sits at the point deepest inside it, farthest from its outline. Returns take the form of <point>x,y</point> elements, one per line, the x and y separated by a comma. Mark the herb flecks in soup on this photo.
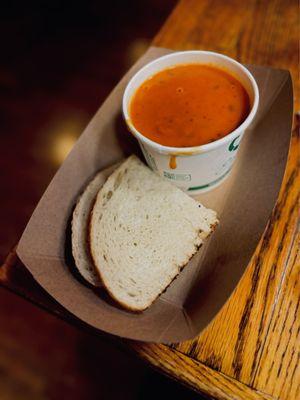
<point>189,105</point>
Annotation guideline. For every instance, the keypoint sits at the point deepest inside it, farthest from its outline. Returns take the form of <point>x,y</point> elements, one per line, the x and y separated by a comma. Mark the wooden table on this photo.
<point>251,349</point>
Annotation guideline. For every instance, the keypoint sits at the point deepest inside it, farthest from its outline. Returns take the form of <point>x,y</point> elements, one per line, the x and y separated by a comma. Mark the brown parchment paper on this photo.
<point>244,203</point>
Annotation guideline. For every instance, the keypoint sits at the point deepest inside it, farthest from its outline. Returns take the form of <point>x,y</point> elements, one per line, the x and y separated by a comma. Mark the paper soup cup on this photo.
<point>200,168</point>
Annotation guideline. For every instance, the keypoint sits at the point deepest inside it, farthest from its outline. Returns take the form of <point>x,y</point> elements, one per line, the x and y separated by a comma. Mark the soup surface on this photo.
<point>189,105</point>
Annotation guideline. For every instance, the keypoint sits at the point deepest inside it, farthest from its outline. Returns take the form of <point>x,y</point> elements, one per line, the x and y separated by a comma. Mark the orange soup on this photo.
<point>189,105</point>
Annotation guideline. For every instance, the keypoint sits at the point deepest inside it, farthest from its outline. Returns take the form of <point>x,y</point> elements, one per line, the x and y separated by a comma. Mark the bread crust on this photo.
<point>80,225</point>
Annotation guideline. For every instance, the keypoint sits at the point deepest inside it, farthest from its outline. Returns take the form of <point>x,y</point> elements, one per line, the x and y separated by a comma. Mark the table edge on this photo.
<point>195,375</point>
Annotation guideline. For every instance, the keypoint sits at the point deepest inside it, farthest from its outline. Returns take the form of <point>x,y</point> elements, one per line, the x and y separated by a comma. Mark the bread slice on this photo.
<point>80,223</point>
<point>143,231</point>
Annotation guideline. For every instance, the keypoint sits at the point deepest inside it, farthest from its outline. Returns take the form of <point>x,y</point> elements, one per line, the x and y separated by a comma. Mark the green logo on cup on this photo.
<point>232,146</point>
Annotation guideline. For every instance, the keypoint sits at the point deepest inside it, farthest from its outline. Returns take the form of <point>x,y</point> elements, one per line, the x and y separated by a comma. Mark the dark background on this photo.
<point>58,62</point>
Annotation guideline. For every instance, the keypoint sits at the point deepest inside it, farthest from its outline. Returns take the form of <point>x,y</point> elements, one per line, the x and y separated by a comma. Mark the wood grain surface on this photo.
<point>251,349</point>
<point>254,339</point>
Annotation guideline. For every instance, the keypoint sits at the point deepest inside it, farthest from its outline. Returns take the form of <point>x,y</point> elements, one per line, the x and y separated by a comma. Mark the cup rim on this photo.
<point>194,149</point>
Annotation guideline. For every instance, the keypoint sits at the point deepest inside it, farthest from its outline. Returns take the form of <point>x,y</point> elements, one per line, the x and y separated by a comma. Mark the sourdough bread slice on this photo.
<point>143,231</point>
<point>80,223</point>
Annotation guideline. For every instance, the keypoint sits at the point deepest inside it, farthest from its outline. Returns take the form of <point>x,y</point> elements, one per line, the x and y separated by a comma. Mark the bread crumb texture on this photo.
<point>143,230</point>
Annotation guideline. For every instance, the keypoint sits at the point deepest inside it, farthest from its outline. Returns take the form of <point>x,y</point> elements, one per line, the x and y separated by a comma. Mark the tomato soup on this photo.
<point>189,105</point>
